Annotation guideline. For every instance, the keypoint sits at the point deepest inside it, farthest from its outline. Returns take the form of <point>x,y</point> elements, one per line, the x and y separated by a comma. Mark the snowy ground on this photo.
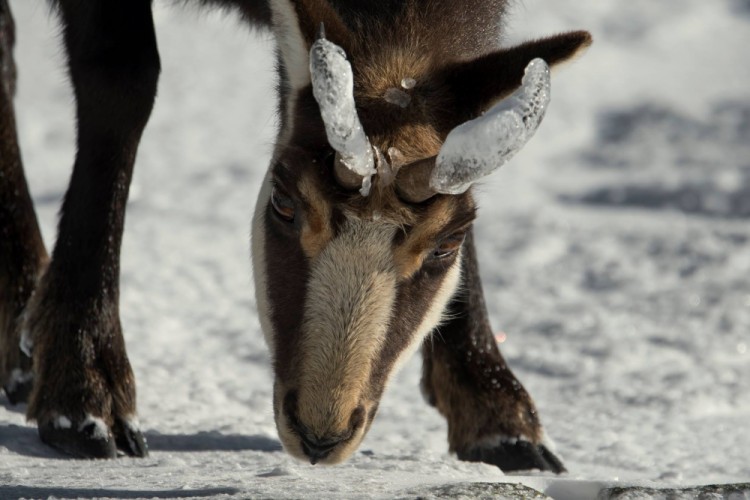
<point>615,252</point>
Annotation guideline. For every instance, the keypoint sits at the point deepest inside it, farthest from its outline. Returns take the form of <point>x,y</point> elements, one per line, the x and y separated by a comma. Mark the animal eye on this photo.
<point>282,204</point>
<point>448,246</point>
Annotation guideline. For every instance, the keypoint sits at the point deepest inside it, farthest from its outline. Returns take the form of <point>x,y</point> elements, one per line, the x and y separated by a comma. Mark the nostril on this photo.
<point>314,447</point>
<point>318,449</point>
<point>357,419</point>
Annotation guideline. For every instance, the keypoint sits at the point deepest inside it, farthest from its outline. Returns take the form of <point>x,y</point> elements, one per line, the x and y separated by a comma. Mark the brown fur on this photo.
<point>477,415</point>
<point>479,83</point>
<point>347,289</point>
<point>81,370</point>
<point>357,370</point>
<point>330,367</point>
<point>22,252</point>
<point>409,255</point>
<point>466,378</point>
<point>317,230</point>
<point>93,379</point>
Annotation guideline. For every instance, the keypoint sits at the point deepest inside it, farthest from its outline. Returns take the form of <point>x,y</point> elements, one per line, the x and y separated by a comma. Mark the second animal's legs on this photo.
<point>84,392</point>
<point>22,252</point>
<point>491,417</point>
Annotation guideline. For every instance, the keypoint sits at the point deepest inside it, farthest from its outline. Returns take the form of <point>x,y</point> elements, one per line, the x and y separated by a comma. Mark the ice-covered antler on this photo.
<point>480,146</point>
<point>333,88</point>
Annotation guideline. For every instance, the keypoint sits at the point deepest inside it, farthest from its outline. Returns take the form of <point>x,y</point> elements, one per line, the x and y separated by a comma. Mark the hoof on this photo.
<point>515,455</point>
<point>19,386</point>
<point>91,439</point>
<point>130,439</point>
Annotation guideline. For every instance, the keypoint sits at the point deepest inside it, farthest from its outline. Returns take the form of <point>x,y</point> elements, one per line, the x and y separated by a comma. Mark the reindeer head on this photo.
<point>359,226</point>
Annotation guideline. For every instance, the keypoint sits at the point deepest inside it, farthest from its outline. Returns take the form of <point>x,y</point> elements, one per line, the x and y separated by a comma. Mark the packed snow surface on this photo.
<point>480,146</point>
<point>615,254</point>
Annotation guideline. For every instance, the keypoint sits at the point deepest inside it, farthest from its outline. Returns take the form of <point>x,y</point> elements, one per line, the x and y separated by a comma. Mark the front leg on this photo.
<point>22,252</point>
<point>491,417</point>
<point>84,393</point>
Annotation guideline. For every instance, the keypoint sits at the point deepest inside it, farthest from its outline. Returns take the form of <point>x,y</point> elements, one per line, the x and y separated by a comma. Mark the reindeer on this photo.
<point>362,240</point>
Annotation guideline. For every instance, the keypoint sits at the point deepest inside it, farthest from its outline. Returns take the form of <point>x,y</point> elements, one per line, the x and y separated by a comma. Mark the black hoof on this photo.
<point>79,441</point>
<point>130,440</point>
<point>19,388</point>
<point>515,455</point>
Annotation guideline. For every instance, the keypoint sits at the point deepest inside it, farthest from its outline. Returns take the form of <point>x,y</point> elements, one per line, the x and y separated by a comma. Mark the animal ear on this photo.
<point>295,24</point>
<point>310,14</point>
<point>479,83</point>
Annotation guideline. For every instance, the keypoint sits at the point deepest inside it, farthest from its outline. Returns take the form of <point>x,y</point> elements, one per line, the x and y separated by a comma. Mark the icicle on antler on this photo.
<point>333,88</point>
<point>479,147</point>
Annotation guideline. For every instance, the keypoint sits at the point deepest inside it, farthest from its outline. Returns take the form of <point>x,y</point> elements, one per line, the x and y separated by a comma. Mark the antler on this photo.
<point>480,146</point>
<point>333,88</point>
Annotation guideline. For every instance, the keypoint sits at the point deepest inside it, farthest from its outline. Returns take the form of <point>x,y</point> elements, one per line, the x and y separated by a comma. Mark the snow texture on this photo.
<point>18,378</point>
<point>62,422</point>
<point>478,147</point>
<point>397,97</point>
<point>408,83</point>
<point>99,429</point>
<point>333,88</point>
<point>626,315</point>
<point>27,343</point>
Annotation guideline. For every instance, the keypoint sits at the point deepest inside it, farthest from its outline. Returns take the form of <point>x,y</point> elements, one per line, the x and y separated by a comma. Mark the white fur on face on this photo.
<point>258,250</point>
<point>351,290</point>
<point>295,56</point>
<point>291,44</point>
<point>348,312</point>
<point>434,315</point>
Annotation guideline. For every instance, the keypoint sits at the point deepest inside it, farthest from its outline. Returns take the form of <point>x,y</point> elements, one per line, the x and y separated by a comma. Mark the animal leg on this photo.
<point>84,397</point>
<point>491,417</point>
<point>22,252</point>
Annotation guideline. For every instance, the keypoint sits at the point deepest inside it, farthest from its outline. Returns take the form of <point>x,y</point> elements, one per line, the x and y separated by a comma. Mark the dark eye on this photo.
<point>448,246</point>
<point>282,204</point>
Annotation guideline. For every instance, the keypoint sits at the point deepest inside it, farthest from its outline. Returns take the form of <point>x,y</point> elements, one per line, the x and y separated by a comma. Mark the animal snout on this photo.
<point>318,449</point>
<point>318,443</point>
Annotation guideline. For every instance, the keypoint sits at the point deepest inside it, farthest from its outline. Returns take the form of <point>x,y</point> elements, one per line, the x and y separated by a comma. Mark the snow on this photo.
<point>63,422</point>
<point>333,88</point>
<point>17,378</point>
<point>397,97</point>
<point>408,83</point>
<point>480,146</point>
<point>98,429</point>
<point>615,255</point>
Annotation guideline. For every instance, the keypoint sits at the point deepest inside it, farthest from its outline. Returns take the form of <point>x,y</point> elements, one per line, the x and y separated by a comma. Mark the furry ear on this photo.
<point>312,13</point>
<point>295,24</point>
<point>479,83</point>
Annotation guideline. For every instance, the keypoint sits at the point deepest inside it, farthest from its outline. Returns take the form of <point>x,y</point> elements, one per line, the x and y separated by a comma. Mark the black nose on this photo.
<point>318,449</point>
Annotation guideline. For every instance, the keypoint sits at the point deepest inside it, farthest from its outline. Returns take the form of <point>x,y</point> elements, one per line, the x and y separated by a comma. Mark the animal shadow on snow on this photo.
<point>741,6</point>
<point>210,441</point>
<point>24,440</point>
<point>656,158</point>
<point>41,492</point>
